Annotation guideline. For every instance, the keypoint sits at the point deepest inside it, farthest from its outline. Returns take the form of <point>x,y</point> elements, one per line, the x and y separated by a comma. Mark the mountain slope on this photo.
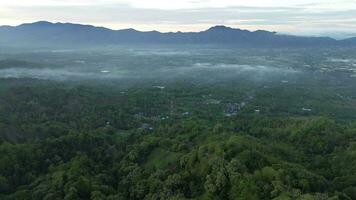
<point>349,42</point>
<point>58,34</point>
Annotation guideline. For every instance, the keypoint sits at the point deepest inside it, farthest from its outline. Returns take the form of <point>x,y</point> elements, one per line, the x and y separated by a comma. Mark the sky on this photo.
<point>336,18</point>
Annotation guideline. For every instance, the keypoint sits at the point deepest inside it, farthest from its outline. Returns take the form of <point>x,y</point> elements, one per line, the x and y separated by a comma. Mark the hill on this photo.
<point>45,33</point>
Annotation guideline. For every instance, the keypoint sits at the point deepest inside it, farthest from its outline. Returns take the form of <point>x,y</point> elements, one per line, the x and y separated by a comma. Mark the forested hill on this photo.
<point>94,143</point>
<point>58,34</point>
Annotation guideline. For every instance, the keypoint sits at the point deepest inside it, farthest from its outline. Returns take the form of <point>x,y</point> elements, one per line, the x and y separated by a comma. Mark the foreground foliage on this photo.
<point>71,142</point>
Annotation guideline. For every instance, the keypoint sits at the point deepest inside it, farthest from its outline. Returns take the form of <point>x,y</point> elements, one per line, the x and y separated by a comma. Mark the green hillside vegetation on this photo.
<point>69,141</point>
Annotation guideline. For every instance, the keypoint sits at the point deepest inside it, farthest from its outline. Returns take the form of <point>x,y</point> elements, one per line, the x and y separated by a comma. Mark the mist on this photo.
<point>142,63</point>
<point>162,65</point>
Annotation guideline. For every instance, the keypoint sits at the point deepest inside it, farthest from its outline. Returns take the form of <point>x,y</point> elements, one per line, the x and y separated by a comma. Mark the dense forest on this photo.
<point>178,141</point>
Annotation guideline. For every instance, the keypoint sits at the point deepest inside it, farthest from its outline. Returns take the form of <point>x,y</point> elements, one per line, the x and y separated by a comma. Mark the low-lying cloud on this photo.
<point>196,71</point>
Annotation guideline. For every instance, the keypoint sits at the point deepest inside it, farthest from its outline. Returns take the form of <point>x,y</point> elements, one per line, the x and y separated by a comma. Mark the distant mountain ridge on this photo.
<point>45,33</point>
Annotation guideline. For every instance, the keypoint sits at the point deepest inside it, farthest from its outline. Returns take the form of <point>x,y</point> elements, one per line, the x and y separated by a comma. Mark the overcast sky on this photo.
<point>310,17</point>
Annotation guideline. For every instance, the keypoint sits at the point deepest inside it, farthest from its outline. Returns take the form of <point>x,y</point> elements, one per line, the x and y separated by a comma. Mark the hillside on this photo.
<point>63,34</point>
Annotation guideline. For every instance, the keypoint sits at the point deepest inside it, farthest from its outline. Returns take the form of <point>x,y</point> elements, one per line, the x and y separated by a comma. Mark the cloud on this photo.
<point>188,4</point>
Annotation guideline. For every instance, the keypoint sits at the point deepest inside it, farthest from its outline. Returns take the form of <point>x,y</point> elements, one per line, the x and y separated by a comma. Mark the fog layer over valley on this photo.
<point>295,78</point>
<point>196,63</point>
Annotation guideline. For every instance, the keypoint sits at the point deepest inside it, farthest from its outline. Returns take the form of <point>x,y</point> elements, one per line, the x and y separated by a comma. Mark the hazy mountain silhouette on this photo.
<point>45,33</point>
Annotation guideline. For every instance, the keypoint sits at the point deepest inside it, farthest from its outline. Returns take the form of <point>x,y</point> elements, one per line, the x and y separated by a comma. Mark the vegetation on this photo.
<point>69,141</point>
<point>178,123</point>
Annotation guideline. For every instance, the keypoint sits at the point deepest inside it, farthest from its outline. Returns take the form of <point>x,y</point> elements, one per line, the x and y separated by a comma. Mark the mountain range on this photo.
<point>49,34</point>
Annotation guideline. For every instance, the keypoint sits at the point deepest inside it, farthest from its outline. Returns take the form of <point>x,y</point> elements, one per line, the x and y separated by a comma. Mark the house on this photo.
<point>146,126</point>
<point>307,109</point>
<point>159,87</point>
<point>186,113</point>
